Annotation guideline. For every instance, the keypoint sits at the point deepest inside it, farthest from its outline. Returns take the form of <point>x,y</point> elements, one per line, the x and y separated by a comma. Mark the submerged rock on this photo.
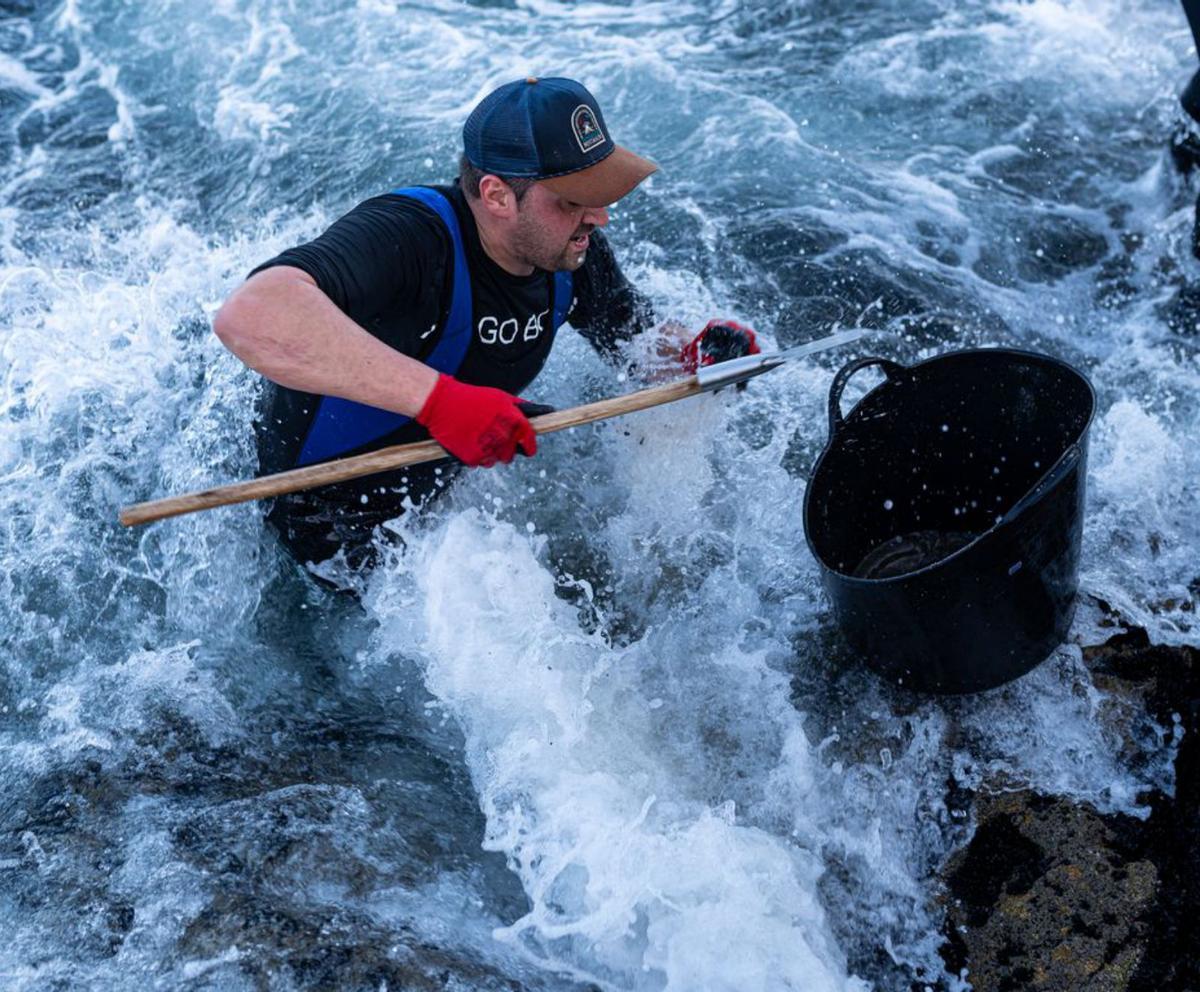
<point>1182,312</point>
<point>325,947</point>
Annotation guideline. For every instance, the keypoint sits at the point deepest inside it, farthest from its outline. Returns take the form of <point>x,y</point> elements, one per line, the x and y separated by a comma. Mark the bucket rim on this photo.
<point>1078,445</point>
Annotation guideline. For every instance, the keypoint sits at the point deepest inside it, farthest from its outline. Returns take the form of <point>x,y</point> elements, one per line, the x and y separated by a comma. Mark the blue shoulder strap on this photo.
<point>564,287</point>
<point>342,425</point>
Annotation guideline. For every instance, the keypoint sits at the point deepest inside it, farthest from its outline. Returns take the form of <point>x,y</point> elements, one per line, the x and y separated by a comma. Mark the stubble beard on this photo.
<point>529,245</point>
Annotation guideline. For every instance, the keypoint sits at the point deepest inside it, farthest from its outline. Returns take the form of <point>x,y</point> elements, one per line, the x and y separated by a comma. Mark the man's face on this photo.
<point>552,233</point>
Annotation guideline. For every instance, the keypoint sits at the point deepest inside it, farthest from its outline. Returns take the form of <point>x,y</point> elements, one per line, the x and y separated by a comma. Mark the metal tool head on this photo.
<point>741,369</point>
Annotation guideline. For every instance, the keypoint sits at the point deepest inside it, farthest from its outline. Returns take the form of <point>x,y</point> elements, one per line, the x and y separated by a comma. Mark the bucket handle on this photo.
<point>890,369</point>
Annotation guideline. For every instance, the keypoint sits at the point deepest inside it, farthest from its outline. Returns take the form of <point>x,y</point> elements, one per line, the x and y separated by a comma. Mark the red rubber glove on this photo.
<point>720,341</point>
<point>477,424</point>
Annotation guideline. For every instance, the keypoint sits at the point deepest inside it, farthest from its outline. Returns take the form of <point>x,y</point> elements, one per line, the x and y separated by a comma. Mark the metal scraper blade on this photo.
<point>741,369</point>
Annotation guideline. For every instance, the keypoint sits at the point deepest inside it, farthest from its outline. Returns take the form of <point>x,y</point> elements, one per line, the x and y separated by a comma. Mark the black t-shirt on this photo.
<point>388,265</point>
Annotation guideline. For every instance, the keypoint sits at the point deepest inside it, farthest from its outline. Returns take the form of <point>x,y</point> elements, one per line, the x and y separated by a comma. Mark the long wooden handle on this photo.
<point>397,456</point>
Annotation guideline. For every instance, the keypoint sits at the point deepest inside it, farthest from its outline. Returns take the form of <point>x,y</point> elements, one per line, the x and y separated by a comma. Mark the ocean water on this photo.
<point>591,727</point>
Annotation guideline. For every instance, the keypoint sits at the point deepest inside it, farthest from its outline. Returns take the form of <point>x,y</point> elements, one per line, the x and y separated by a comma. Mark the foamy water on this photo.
<point>592,726</point>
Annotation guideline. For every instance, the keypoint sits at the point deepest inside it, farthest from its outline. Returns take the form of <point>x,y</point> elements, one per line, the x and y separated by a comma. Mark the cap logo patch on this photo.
<point>587,130</point>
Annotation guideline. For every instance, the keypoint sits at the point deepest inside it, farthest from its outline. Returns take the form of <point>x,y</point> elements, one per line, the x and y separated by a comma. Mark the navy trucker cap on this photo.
<point>552,130</point>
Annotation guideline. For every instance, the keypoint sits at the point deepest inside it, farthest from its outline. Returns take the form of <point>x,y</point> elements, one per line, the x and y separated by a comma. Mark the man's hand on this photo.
<point>477,424</point>
<point>720,341</point>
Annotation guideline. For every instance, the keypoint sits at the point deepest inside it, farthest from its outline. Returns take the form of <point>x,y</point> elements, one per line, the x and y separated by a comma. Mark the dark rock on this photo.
<point>1048,248</point>
<point>1169,679</point>
<point>59,854</point>
<point>995,266</point>
<point>1115,285</point>
<point>870,291</point>
<point>776,239</point>
<point>1056,246</point>
<point>823,284</point>
<point>801,454</point>
<point>332,948</point>
<point>1182,312</point>
<point>1053,895</point>
<point>1185,150</point>
<point>941,242</point>
<point>1047,897</point>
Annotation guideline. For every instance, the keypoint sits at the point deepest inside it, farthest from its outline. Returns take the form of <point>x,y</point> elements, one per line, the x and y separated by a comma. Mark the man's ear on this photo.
<point>497,197</point>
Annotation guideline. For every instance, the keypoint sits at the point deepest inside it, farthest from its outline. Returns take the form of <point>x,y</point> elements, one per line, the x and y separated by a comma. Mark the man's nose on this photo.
<point>596,215</point>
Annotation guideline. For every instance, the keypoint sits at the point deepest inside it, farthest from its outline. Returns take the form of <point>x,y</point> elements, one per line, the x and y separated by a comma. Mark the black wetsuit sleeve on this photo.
<point>385,265</point>
<point>608,309</point>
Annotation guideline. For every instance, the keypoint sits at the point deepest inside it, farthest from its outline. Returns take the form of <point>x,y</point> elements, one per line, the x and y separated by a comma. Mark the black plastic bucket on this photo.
<point>946,512</point>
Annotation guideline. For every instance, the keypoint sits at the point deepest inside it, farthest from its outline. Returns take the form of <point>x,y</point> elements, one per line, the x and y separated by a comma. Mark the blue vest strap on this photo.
<point>564,288</point>
<point>342,425</point>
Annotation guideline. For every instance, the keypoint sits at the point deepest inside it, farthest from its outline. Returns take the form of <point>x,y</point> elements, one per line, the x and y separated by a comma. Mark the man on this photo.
<point>427,311</point>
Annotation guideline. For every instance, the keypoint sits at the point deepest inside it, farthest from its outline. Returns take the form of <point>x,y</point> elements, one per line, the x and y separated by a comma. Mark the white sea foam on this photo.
<point>238,117</point>
<point>1142,498</point>
<point>1088,46</point>
<point>635,879</point>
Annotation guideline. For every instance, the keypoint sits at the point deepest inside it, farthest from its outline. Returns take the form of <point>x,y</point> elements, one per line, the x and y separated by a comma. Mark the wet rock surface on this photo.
<point>1049,895</point>
<point>278,895</point>
<point>1053,895</point>
<point>326,948</point>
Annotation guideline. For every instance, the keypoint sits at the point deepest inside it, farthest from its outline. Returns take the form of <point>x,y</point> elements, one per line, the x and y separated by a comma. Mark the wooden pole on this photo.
<point>397,456</point>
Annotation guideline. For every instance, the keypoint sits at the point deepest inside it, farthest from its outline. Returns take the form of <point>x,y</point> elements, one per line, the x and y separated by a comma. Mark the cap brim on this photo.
<point>605,182</point>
